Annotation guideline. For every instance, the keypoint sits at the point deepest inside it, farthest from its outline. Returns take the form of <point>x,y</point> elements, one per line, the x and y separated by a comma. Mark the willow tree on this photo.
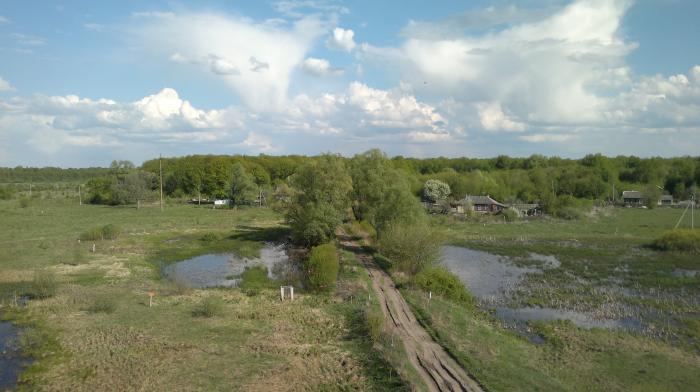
<point>320,200</point>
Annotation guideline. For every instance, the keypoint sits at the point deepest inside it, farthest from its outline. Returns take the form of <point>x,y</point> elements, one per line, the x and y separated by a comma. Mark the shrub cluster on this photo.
<point>103,304</point>
<point>322,268</point>
<point>106,232</point>
<point>411,247</point>
<point>209,307</point>
<point>44,285</point>
<point>684,240</point>
<point>441,281</point>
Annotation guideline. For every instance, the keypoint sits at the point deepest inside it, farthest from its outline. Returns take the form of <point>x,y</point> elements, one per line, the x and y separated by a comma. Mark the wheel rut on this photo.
<point>438,370</point>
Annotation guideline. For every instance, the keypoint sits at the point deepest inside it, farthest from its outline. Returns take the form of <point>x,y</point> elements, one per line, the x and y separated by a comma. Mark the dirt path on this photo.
<point>439,370</point>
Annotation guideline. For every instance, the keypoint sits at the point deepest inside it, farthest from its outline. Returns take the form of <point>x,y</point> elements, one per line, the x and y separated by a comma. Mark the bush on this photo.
<point>6,193</point>
<point>569,213</point>
<point>44,284</point>
<point>110,232</point>
<point>209,307</point>
<point>441,281</point>
<point>107,232</point>
<point>411,247</point>
<point>103,305</point>
<point>510,215</point>
<point>210,237</point>
<point>684,240</point>
<point>322,268</point>
<point>374,321</point>
<point>24,202</point>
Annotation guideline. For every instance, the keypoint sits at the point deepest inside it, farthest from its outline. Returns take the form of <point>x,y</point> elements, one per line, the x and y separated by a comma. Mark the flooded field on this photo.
<point>224,269</point>
<point>496,280</point>
<point>11,361</point>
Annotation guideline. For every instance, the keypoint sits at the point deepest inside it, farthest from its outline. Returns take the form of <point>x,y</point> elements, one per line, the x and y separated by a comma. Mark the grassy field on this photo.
<point>97,332</point>
<point>606,265</point>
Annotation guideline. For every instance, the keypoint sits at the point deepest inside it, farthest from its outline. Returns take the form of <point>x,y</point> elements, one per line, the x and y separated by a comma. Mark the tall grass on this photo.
<point>208,307</point>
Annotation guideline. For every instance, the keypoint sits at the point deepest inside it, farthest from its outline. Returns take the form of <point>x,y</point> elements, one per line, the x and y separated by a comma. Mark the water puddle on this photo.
<point>223,269</point>
<point>12,363</point>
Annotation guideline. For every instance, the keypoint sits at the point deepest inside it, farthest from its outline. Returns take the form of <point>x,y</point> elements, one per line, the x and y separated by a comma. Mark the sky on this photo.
<point>83,83</point>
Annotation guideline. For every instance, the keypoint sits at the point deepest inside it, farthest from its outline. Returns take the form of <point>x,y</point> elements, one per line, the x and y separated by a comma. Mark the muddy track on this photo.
<point>439,371</point>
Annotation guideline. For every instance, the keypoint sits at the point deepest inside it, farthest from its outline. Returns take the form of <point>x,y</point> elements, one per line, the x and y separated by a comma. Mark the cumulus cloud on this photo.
<point>5,85</point>
<point>342,39</point>
<point>255,59</point>
<point>542,71</point>
<point>50,124</point>
<point>493,119</point>
<point>319,67</point>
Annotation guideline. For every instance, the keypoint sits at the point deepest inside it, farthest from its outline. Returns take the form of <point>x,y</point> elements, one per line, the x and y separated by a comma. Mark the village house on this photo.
<point>482,204</point>
<point>634,198</point>
<point>666,200</point>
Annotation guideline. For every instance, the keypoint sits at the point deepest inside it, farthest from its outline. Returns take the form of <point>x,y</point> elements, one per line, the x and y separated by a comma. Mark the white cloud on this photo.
<point>255,59</point>
<point>50,123</point>
<point>541,71</point>
<point>493,119</point>
<point>546,137</point>
<point>300,8</point>
<point>93,27</point>
<point>28,40</point>
<point>3,19</point>
<point>5,85</point>
<point>342,39</point>
<point>319,67</point>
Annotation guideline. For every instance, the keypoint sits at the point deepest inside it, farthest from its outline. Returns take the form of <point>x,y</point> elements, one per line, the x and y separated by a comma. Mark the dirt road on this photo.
<point>439,371</point>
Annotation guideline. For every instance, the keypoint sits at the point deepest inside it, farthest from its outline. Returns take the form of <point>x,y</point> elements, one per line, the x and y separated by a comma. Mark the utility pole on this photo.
<point>30,189</point>
<point>160,168</point>
<point>80,196</point>
<point>613,193</point>
<point>692,211</point>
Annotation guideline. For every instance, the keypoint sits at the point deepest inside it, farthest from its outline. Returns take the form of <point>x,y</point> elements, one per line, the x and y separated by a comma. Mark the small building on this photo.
<point>483,204</point>
<point>222,202</point>
<point>634,198</point>
<point>527,209</point>
<point>666,200</point>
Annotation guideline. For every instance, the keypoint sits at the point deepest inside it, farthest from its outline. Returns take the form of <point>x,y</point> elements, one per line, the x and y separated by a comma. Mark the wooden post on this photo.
<point>30,189</point>
<point>160,170</point>
<point>93,248</point>
<point>282,293</point>
<point>151,294</point>
<point>291,292</point>
<point>80,196</point>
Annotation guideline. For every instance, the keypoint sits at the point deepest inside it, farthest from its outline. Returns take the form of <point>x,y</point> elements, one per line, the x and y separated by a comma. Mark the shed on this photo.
<point>666,200</point>
<point>634,198</point>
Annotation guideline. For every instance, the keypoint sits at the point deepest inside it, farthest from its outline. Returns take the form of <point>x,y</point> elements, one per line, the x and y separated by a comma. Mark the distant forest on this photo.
<point>533,179</point>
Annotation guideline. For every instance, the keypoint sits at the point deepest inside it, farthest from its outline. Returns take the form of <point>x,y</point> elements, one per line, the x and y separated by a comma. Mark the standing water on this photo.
<point>12,363</point>
<point>223,269</point>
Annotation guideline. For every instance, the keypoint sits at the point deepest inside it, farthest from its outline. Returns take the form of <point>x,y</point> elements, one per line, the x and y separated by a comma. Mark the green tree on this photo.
<point>435,190</point>
<point>320,200</point>
<point>243,189</point>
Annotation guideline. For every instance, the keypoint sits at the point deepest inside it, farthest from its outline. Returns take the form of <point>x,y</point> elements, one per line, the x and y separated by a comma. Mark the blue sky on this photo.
<point>85,82</point>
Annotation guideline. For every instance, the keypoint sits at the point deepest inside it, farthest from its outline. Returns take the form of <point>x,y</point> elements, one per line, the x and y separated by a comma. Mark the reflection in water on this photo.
<point>223,269</point>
